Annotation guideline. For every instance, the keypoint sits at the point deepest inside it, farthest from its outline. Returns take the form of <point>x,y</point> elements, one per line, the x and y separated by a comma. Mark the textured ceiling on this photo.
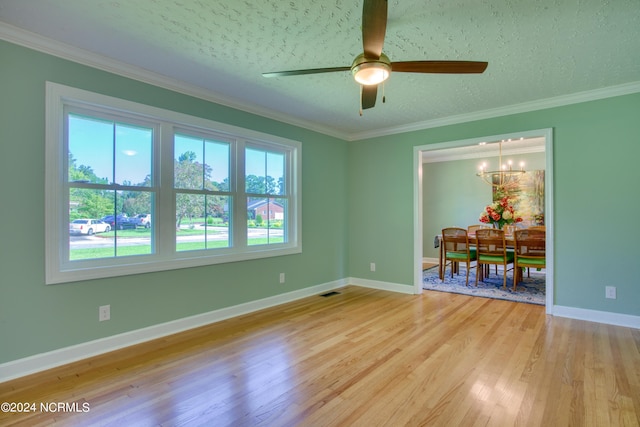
<point>536,49</point>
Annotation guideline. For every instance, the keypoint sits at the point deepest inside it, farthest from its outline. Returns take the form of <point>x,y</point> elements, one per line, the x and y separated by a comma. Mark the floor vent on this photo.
<point>330,294</point>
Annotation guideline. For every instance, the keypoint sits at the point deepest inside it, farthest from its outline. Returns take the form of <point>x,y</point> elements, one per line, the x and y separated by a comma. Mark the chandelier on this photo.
<point>505,175</point>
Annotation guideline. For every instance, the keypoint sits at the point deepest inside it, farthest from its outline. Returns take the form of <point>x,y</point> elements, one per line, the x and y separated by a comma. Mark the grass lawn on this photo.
<point>145,249</point>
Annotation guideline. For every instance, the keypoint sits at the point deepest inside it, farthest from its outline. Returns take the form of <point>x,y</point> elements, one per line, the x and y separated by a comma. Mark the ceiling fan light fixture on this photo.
<point>371,71</point>
<point>372,67</point>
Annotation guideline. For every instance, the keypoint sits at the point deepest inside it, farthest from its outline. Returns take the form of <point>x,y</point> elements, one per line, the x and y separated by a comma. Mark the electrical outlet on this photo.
<point>372,266</point>
<point>281,277</point>
<point>610,292</point>
<point>104,313</point>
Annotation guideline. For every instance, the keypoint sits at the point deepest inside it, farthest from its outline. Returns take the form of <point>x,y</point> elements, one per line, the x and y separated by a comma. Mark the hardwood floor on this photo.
<point>360,358</point>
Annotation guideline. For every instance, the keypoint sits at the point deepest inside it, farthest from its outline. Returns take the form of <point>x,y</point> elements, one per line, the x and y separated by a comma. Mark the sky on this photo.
<point>91,142</point>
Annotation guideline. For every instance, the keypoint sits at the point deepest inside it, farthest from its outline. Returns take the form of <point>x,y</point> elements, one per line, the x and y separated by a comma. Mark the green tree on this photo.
<point>85,202</point>
<point>139,202</point>
<point>271,185</point>
<point>263,185</point>
<point>280,186</point>
<point>193,175</point>
<point>255,184</point>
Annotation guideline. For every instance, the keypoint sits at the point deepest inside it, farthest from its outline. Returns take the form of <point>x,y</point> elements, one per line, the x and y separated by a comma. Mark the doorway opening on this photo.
<point>465,149</point>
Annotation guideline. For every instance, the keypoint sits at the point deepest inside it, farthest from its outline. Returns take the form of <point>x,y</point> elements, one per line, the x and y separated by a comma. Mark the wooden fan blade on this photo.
<point>302,72</point>
<point>444,67</point>
<point>369,95</point>
<point>374,27</point>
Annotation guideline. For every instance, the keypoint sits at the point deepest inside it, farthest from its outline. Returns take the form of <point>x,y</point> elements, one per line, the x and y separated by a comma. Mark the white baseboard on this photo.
<point>51,359</point>
<point>41,362</point>
<point>431,260</point>
<point>384,286</point>
<point>605,317</point>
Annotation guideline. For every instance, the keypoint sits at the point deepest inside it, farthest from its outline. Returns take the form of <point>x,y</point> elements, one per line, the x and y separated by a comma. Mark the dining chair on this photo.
<point>536,227</point>
<point>530,251</point>
<point>509,229</point>
<point>456,248</point>
<point>491,249</point>
<point>472,228</point>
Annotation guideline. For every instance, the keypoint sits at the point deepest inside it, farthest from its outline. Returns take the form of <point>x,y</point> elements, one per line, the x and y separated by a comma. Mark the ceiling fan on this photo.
<point>373,67</point>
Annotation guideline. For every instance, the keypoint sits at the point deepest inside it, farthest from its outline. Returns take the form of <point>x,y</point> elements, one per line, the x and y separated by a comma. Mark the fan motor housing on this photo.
<point>367,71</point>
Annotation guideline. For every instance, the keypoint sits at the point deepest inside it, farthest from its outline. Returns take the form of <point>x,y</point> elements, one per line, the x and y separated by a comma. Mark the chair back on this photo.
<point>472,228</point>
<point>491,248</point>
<point>530,247</point>
<point>490,242</point>
<point>455,240</point>
<point>455,245</point>
<point>509,229</point>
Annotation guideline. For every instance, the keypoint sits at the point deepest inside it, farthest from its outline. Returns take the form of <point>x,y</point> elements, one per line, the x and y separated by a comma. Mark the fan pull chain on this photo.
<point>360,100</point>
<point>384,98</point>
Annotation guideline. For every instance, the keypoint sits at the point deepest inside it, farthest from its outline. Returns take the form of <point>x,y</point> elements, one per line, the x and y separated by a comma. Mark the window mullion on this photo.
<point>240,198</point>
<point>165,216</point>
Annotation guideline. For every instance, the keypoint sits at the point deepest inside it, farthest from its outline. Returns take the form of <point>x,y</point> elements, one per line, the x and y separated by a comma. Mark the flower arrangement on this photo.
<point>500,213</point>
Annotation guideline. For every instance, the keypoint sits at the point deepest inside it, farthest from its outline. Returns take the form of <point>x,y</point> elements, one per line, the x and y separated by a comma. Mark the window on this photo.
<point>202,192</point>
<point>266,187</point>
<point>109,181</point>
<point>132,188</point>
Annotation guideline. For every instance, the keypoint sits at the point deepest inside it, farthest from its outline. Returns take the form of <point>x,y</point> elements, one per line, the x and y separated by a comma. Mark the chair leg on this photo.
<point>504,277</point>
<point>468,268</point>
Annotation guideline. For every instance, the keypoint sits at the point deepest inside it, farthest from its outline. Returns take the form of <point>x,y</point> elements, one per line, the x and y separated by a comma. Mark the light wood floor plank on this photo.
<point>360,358</point>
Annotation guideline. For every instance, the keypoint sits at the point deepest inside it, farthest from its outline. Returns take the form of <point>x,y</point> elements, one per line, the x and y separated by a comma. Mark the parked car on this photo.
<point>143,220</point>
<point>88,226</point>
<point>119,222</point>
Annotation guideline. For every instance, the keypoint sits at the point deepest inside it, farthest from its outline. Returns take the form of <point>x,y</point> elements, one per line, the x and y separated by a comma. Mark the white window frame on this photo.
<point>58,268</point>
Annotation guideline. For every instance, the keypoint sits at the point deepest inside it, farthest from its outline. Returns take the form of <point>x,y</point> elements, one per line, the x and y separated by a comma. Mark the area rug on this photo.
<point>531,290</point>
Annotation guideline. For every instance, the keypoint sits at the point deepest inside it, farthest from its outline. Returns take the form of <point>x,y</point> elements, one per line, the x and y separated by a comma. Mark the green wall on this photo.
<point>367,184</point>
<point>453,196</point>
<point>596,151</point>
<point>36,318</point>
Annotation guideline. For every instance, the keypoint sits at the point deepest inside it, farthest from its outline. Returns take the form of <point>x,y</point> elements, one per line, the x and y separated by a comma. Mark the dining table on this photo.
<point>509,240</point>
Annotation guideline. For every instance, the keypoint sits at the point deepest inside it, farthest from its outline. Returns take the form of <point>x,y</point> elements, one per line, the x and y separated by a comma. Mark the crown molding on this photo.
<point>467,153</point>
<point>42,44</point>
<point>39,43</point>
<point>558,101</point>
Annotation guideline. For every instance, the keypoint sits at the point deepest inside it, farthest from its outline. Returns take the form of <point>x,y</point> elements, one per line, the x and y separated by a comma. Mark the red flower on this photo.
<point>500,213</point>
